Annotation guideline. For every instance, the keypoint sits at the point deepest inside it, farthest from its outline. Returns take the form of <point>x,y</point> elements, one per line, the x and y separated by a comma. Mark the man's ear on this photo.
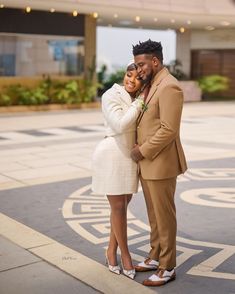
<point>155,61</point>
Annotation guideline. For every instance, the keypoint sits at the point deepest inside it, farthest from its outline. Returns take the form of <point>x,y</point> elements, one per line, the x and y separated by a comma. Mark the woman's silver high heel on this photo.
<point>128,273</point>
<point>112,268</point>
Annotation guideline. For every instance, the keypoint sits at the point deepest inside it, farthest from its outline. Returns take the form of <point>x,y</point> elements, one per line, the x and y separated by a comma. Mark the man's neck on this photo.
<point>158,69</point>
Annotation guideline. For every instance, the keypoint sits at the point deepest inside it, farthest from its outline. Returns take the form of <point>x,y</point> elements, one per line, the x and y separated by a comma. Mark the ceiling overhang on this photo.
<point>148,14</point>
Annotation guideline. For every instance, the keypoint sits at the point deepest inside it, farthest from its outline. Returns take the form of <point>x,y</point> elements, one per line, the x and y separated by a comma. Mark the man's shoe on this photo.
<point>160,278</point>
<point>147,265</point>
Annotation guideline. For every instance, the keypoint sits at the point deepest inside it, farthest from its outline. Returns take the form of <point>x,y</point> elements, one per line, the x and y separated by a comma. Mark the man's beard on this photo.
<point>148,78</point>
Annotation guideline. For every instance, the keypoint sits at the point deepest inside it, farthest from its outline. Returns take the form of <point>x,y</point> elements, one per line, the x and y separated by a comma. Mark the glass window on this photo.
<point>37,55</point>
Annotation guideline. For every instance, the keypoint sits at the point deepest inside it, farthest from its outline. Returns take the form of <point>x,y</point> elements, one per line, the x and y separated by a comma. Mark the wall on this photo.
<point>202,39</point>
<point>183,50</point>
<point>217,39</point>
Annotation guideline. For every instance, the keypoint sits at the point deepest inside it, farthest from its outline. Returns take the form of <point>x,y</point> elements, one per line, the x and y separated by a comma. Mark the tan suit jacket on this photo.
<point>158,130</point>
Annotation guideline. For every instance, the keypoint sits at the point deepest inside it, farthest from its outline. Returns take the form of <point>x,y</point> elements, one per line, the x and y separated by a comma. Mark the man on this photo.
<point>161,159</point>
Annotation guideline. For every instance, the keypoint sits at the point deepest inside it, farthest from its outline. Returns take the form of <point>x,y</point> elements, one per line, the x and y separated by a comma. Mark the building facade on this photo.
<point>58,37</point>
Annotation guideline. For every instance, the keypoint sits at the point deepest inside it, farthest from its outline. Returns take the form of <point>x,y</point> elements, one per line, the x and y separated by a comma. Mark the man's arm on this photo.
<point>170,105</point>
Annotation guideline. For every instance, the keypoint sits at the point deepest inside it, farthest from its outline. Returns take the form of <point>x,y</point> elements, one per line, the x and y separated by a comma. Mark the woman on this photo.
<point>114,172</point>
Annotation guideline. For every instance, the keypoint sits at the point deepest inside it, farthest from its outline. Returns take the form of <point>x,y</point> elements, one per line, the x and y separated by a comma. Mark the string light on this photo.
<point>75,13</point>
<point>137,18</point>
<point>182,30</point>
<point>95,14</point>
<point>28,9</point>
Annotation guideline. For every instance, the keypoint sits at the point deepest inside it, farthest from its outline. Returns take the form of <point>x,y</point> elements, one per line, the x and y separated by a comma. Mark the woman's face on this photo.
<point>132,81</point>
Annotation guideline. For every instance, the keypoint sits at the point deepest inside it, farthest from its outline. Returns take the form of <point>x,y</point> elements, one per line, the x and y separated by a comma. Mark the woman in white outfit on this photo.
<point>114,172</point>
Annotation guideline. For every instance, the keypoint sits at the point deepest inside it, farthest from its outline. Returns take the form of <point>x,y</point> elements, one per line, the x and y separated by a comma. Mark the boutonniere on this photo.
<point>144,107</point>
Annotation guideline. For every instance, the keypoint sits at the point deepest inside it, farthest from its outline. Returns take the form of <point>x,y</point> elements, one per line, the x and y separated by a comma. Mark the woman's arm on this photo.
<point>117,119</point>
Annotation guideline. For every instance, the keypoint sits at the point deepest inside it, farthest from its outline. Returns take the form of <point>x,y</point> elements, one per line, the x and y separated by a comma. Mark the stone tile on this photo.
<point>14,256</point>
<point>20,151</point>
<point>41,278</point>
<point>47,162</point>
<point>61,152</point>
<point>5,179</point>
<point>59,131</point>
<point>42,172</point>
<point>20,234</point>
<point>17,136</point>
<point>11,166</point>
<point>36,133</point>
<point>68,260</point>
<point>17,158</point>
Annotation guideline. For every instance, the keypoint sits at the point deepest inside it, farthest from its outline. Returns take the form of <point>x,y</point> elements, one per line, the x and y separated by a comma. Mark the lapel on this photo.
<point>154,86</point>
<point>124,96</point>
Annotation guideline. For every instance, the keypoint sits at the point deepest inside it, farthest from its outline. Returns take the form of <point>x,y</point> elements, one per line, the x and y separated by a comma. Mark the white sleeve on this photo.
<point>117,119</point>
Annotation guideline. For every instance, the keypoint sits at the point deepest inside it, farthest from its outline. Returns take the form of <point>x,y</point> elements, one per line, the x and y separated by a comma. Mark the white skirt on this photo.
<point>114,172</point>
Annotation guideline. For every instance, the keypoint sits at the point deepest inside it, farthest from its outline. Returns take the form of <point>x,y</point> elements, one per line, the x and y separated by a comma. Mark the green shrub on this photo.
<point>108,81</point>
<point>5,100</point>
<point>17,94</point>
<point>75,91</point>
<point>213,84</point>
<point>48,91</point>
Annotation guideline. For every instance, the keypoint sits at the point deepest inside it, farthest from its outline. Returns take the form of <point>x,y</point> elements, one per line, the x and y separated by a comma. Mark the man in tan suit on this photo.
<point>161,159</point>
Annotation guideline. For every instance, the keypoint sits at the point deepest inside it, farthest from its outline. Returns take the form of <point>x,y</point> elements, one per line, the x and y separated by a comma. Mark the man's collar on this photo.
<point>160,76</point>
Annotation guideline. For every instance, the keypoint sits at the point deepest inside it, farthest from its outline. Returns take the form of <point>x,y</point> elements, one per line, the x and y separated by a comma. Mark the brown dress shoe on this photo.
<point>147,265</point>
<point>160,278</point>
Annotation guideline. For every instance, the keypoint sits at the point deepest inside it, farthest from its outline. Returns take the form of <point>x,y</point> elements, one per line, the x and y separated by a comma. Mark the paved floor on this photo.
<point>54,231</point>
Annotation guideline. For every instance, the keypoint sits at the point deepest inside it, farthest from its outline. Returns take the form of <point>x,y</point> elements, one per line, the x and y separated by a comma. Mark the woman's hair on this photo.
<point>131,66</point>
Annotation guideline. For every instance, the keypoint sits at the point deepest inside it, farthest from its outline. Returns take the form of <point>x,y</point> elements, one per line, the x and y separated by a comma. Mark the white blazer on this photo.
<point>114,172</point>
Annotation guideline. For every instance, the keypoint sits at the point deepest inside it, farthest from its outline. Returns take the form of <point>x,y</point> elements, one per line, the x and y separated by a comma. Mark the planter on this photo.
<point>48,107</point>
<point>192,91</point>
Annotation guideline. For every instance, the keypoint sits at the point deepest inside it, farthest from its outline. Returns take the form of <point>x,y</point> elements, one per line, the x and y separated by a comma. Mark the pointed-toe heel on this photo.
<point>129,273</point>
<point>112,268</point>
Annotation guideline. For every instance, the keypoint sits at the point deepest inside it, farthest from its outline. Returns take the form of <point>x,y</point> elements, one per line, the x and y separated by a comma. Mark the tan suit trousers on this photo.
<point>159,198</point>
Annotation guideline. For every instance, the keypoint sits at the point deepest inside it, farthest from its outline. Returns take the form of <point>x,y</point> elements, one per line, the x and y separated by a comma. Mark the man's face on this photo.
<point>146,66</point>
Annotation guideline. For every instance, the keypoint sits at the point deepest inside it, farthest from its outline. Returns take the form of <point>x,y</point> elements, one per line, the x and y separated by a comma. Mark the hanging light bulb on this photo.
<point>28,9</point>
<point>95,14</point>
<point>75,13</point>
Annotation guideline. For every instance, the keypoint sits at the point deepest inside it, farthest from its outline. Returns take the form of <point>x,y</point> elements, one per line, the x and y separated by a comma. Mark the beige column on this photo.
<point>90,45</point>
<point>183,50</point>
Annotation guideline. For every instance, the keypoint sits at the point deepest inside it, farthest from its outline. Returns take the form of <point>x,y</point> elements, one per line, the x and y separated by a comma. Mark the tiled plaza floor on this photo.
<point>53,229</point>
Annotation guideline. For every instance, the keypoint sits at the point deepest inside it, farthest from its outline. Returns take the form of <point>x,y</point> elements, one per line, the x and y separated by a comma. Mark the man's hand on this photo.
<point>136,154</point>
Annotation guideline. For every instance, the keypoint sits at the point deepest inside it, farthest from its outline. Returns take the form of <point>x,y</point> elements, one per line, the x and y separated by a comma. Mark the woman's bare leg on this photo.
<point>113,244</point>
<point>118,206</point>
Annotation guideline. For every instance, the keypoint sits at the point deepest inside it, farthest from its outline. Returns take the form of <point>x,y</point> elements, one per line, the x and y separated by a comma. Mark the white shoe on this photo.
<point>147,265</point>
<point>112,268</point>
<point>129,273</point>
<point>160,278</point>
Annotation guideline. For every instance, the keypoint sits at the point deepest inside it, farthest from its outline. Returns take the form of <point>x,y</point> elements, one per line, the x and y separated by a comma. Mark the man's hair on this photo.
<point>148,47</point>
